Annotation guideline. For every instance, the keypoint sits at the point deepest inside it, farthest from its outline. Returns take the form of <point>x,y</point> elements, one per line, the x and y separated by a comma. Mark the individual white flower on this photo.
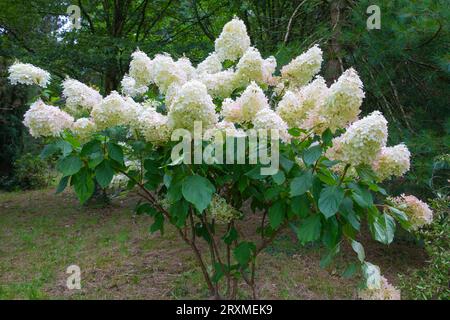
<point>221,211</point>
<point>211,64</point>
<point>154,126</point>
<point>192,103</point>
<point>303,68</point>
<point>233,41</point>
<point>165,72</point>
<point>131,88</point>
<point>362,141</point>
<point>29,74</point>
<point>185,64</point>
<point>220,84</point>
<point>84,128</point>
<point>141,69</point>
<point>269,120</point>
<point>344,100</point>
<point>385,291</point>
<point>246,106</point>
<point>392,161</point>
<point>114,110</point>
<point>418,212</point>
<point>46,121</point>
<point>252,67</point>
<point>79,97</point>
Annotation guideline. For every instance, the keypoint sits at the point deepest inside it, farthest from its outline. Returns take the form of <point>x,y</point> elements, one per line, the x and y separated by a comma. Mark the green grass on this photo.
<point>41,234</point>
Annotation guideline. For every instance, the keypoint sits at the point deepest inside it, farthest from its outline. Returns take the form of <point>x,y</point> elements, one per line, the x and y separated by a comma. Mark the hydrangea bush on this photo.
<point>331,158</point>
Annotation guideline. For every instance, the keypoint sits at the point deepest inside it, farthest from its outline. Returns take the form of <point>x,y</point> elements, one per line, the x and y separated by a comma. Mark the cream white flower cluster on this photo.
<point>418,212</point>
<point>84,128</point>
<point>245,108</point>
<point>131,88</point>
<point>392,161</point>
<point>233,41</point>
<point>362,141</point>
<point>26,73</point>
<point>221,211</point>
<point>79,97</point>
<point>46,121</point>
<point>210,94</point>
<point>154,126</point>
<point>192,103</point>
<point>113,110</point>
<point>385,291</point>
<point>303,68</point>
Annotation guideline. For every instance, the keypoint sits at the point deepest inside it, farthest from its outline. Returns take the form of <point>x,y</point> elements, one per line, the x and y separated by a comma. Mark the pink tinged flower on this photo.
<point>418,212</point>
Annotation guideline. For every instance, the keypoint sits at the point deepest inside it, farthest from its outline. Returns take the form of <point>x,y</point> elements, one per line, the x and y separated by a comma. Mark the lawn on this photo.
<point>41,234</point>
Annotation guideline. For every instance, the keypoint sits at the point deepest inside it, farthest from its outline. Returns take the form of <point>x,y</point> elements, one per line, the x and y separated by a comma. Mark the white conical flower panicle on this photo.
<point>154,126</point>
<point>362,141</point>
<point>211,64</point>
<point>302,108</point>
<point>418,212</point>
<point>165,72</point>
<point>385,291</point>
<point>252,67</point>
<point>344,100</point>
<point>233,41</point>
<point>246,106</point>
<point>131,88</point>
<point>185,65</point>
<point>26,73</point>
<point>192,103</point>
<point>84,128</point>
<point>303,68</point>
<point>392,161</point>
<point>114,110</point>
<point>141,68</point>
<point>79,97</point>
<point>269,120</point>
<point>46,121</point>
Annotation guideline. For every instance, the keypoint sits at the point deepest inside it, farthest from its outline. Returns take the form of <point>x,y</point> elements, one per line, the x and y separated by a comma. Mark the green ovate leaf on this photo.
<point>115,152</point>
<point>330,199</point>
<point>83,184</point>
<point>62,184</point>
<point>69,165</point>
<point>277,212</point>
<point>104,173</point>
<point>359,249</point>
<point>198,191</point>
<point>309,229</point>
<point>243,252</point>
<point>299,185</point>
<point>312,154</point>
